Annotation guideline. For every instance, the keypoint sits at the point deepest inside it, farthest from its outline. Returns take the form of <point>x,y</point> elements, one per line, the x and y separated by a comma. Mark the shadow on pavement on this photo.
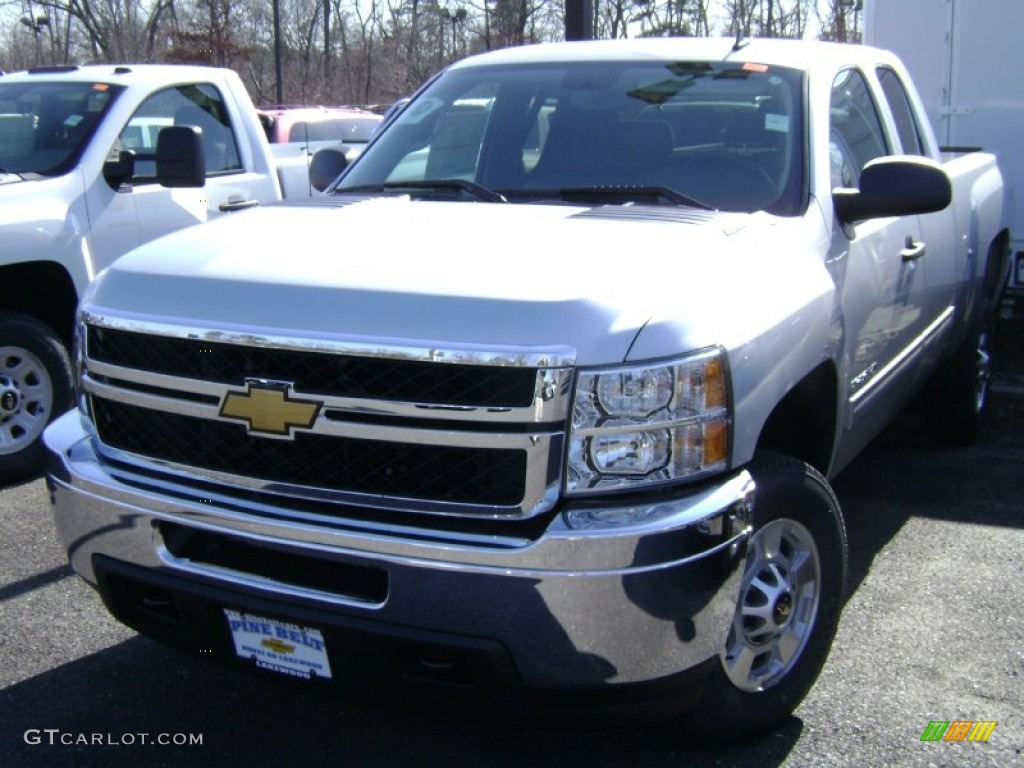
<point>140,687</point>
<point>904,474</point>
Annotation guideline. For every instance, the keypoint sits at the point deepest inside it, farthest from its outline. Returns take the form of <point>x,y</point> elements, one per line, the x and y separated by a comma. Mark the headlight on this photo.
<point>78,363</point>
<point>647,424</point>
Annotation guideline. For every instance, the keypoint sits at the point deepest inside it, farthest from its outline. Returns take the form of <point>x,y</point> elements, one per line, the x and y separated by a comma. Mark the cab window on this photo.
<point>899,104</point>
<point>200,105</point>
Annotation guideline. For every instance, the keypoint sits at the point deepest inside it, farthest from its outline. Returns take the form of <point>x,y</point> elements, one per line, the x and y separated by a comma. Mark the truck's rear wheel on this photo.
<point>35,387</point>
<point>788,606</point>
<point>959,391</point>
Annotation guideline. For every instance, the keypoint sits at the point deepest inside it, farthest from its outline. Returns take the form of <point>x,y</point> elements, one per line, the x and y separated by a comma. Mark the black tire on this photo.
<point>958,396</point>
<point>36,386</point>
<point>794,503</point>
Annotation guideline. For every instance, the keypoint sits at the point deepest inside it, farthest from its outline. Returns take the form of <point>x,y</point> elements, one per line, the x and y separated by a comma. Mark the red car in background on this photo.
<point>297,133</point>
<point>349,125</point>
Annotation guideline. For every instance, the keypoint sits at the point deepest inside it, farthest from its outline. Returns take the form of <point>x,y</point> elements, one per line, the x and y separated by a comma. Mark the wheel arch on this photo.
<point>804,422</point>
<point>997,271</point>
<point>44,290</point>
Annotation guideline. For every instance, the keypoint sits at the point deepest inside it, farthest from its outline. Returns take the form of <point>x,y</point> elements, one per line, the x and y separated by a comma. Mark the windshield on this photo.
<point>721,133</point>
<point>45,126</point>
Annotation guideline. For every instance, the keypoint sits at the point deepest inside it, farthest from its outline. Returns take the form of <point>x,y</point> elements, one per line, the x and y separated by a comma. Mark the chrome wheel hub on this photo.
<point>983,372</point>
<point>9,398</point>
<point>26,398</point>
<point>777,606</point>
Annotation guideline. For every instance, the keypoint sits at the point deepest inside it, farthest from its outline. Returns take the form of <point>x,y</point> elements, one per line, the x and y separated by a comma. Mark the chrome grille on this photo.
<point>436,473</point>
<point>399,433</point>
<point>317,373</point>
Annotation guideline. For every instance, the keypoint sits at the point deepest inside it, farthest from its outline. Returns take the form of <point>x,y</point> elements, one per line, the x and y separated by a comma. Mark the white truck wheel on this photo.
<point>35,387</point>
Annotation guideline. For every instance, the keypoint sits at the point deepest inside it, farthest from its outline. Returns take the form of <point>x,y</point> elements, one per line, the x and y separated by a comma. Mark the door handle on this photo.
<point>237,205</point>
<point>912,250</point>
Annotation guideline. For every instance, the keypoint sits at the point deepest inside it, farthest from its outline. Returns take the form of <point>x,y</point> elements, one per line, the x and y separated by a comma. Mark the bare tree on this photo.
<point>205,32</point>
<point>767,18</point>
<point>512,21</point>
<point>674,17</point>
<point>839,20</point>
<point>365,51</point>
<point>100,30</point>
<point>740,16</point>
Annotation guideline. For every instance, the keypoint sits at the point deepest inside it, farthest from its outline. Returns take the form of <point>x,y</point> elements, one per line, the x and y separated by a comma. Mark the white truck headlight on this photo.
<point>644,424</point>
<point>78,363</point>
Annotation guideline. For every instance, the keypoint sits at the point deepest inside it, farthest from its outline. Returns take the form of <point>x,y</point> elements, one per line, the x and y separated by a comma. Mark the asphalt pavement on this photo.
<point>933,630</point>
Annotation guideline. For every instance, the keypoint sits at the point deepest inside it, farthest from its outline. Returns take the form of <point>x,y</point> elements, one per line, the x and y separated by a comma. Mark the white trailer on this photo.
<point>964,58</point>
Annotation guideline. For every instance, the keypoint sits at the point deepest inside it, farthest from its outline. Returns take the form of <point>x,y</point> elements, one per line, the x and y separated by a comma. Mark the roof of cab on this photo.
<point>798,54</point>
<point>119,73</point>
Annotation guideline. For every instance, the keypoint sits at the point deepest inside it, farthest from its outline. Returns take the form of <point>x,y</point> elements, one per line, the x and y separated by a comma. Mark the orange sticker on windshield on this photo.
<point>751,67</point>
<point>100,87</point>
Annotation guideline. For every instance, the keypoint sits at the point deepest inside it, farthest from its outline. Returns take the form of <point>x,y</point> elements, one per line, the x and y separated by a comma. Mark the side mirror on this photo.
<point>894,186</point>
<point>325,167</point>
<point>119,167</point>
<point>180,157</point>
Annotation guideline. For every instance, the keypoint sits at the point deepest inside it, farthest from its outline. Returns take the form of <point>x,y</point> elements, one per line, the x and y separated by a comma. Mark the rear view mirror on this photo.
<point>180,157</point>
<point>894,186</point>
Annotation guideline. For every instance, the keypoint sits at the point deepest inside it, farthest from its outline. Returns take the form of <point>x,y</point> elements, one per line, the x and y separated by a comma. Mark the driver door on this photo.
<point>877,263</point>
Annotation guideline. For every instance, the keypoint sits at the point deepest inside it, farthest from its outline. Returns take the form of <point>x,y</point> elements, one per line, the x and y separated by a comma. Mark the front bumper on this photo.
<point>574,609</point>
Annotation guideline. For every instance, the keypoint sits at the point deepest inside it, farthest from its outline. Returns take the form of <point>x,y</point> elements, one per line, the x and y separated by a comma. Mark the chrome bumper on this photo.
<point>575,607</point>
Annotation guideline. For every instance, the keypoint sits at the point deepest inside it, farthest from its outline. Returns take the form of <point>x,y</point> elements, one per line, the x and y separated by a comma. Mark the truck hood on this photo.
<point>456,275</point>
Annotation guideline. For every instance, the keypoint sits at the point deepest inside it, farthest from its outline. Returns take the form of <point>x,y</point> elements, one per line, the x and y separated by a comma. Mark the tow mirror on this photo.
<point>180,157</point>
<point>894,186</point>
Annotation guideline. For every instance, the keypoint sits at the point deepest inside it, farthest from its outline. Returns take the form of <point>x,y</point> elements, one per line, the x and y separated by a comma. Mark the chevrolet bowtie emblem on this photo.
<point>277,646</point>
<point>268,409</point>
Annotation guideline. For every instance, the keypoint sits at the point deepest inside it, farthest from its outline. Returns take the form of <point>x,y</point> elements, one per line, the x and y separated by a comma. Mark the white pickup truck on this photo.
<point>80,185</point>
<point>563,442</point>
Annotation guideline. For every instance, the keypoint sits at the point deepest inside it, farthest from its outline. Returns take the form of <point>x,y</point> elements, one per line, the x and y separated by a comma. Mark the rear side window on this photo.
<point>855,134</point>
<point>899,104</point>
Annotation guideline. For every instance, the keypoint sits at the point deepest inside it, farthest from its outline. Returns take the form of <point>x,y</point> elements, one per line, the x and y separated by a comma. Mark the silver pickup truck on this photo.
<point>537,406</point>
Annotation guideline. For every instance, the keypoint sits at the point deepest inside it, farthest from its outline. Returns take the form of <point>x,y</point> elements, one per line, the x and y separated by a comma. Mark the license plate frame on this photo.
<point>279,646</point>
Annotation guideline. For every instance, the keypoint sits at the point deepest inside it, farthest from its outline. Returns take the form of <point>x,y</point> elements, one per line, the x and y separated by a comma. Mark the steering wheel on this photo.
<point>728,181</point>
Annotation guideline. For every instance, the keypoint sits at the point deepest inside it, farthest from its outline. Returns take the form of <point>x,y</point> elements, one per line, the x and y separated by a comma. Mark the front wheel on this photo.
<point>788,606</point>
<point>35,388</point>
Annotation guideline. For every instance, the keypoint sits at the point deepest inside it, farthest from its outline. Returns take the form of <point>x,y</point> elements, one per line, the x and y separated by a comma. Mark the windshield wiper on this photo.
<point>599,194</point>
<point>477,191</point>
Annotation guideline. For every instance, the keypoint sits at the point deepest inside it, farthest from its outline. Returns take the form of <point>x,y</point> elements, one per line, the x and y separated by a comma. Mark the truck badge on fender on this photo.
<point>269,410</point>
